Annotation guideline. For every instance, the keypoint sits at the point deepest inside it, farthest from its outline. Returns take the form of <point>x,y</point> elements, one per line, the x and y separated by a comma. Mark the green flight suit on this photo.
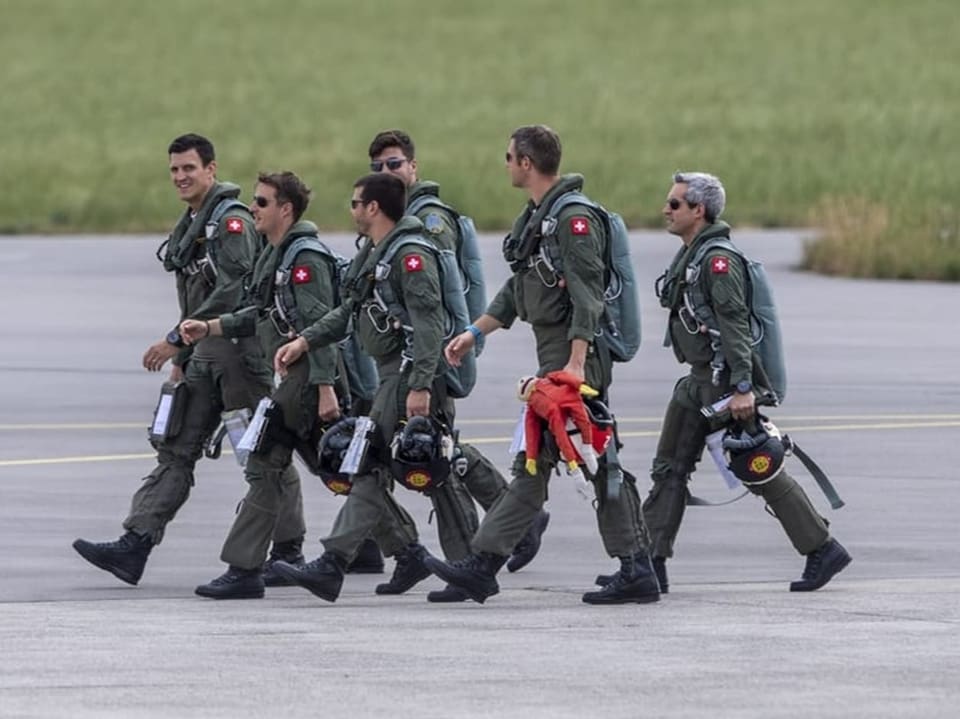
<point>370,508</point>
<point>559,312</point>
<point>311,293</point>
<point>210,263</point>
<point>480,477</point>
<point>684,430</point>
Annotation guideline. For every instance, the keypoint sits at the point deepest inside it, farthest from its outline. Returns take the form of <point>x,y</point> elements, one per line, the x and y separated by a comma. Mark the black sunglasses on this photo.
<point>392,163</point>
<point>260,201</point>
<point>674,204</point>
<point>354,204</point>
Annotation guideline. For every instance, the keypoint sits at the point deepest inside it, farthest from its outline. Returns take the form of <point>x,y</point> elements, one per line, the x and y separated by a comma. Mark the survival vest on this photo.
<point>620,324</point>
<point>183,258</point>
<point>460,380</point>
<point>468,258</point>
<point>361,369</point>
<point>764,321</point>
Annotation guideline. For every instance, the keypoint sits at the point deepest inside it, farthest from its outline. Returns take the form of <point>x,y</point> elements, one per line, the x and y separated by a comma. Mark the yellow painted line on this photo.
<point>74,425</point>
<point>501,440</point>
<point>70,460</point>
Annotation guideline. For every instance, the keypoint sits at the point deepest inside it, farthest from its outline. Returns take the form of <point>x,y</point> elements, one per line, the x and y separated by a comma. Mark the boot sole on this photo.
<point>278,582</point>
<point>313,589</point>
<point>235,595</point>
<point>119,573</point>
<point>388,590</point>
<point>837,568</point>
<point>439,568</point>
<point>365,570</point>
<point>643,599</point>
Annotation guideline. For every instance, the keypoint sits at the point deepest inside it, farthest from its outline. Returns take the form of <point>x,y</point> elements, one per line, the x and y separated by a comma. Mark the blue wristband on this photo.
<point>475,331</point>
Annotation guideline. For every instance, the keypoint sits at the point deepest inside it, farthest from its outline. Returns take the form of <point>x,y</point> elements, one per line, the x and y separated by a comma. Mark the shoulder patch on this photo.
<point>413,263</point>
<point>719,265</point>
<point>301,274</point>
<point>579,225</point>
<point>433,223</point>
<point>234,225</point>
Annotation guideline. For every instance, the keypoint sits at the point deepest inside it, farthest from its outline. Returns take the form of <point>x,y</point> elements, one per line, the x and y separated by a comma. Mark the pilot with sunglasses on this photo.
<point>564,312</point>
<point>393,151</point>
<point>311,393</point>
<point>692,212</point>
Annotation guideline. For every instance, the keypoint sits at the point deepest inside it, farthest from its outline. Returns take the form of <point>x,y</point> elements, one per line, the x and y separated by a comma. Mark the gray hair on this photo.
<point>703,189</point>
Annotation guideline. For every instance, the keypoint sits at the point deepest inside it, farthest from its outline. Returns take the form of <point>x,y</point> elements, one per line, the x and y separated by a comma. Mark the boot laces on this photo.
<point>317,565</point>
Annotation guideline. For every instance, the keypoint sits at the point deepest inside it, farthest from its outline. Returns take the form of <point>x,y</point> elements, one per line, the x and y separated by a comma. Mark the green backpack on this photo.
<point>361,369</point>
<point>460,380</point>
<point>764,320</point>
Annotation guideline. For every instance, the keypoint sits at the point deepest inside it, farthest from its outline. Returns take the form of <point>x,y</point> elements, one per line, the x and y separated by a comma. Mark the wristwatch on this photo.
<point>744,386</point>
<point>173,337</point>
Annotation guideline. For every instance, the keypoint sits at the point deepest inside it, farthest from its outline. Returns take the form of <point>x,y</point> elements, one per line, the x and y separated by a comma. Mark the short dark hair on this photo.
<point>192,141</point>
<point>289,188</point>
<point>539,143</point>
<point>392,138</point>
<point>387,190</point>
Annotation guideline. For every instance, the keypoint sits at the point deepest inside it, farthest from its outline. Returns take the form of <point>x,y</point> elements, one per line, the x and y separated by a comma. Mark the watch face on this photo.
<point>744,387</point>
<point>173,337</point>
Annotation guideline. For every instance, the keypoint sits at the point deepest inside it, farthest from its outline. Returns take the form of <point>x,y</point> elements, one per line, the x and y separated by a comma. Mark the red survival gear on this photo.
<point>555,400</point>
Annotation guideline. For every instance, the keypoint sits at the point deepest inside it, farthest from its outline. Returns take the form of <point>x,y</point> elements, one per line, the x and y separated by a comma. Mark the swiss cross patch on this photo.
<point>234,226</point>
<point>579,226</point>
<point>719,265</point>
<point>301,275</point>
<point>413,263</point>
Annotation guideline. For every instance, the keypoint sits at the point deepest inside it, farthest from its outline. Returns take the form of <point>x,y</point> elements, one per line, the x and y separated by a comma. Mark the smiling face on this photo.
<point>191,177</point>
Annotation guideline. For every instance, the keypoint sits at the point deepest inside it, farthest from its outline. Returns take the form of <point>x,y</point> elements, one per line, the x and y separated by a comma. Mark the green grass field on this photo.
<point>836,113</point>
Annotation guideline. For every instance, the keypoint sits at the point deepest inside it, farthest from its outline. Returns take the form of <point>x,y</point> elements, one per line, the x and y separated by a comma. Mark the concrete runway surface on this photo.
<point>874,397</point>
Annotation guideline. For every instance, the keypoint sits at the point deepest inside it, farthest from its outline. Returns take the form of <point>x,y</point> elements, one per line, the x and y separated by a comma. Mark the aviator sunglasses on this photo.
<point>392,163</point>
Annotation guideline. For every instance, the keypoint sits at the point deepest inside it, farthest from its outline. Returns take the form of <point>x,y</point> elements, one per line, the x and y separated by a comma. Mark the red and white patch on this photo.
<point>301,275</point>
<point>579,226</point>
<point>413,263</point>
<point>719,265</point>
<point>234,226</point>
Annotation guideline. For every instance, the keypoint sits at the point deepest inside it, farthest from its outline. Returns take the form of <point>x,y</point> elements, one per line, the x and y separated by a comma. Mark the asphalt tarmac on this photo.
<point>874,397</point>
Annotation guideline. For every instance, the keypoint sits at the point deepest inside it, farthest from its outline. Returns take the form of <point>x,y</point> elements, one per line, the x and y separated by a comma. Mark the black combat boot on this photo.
<point>447,595</point>
<point>235,583</point>
<point>635,583</point>
<point>475,574</point>
<point>529,544</point>
<point>822,564</point>
<point>322,577</point>
<point>369,559</point>
<point>407,572</point>
<point>659,568</point>
<point>290,552</point>
<point>124,558</point>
